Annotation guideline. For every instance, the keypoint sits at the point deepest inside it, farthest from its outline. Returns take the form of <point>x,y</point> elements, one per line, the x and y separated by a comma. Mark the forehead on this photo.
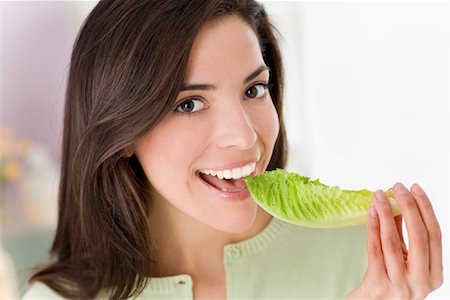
<point>227,46</point>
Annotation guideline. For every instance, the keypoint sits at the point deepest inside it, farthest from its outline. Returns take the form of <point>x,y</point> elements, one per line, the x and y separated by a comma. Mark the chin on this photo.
<point>237,223</point>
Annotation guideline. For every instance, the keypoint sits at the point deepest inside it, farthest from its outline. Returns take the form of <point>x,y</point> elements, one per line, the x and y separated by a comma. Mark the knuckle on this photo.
<point>392,245</point>
<point>385,209</point>
<point>373,227</point>
<point>420,237</point>
<point>426,204</point>
<point>375,250</point>
<point>409,203</point>
<point>435,235</point>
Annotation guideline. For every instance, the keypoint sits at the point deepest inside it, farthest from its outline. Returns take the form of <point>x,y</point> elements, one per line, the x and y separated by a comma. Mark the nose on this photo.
<point>235,128</point>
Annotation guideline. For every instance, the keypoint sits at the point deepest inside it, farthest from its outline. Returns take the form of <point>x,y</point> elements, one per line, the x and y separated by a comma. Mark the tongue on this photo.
<point>229,185</point>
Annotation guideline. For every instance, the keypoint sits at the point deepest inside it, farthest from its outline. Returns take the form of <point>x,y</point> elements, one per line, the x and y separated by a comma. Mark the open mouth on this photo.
<point>229,181</point>
<point>224,185</point>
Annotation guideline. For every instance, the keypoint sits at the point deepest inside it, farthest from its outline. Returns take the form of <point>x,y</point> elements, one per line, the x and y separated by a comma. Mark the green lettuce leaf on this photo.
<point>298,200</point>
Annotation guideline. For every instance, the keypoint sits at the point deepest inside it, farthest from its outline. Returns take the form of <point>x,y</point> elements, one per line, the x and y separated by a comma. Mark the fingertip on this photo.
<point>400,189</point>
<point>380,196</point>
<point>416,189</point>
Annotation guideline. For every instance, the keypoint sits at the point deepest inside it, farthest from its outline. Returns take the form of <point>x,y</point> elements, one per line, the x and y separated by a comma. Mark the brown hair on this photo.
<point>127,67</point>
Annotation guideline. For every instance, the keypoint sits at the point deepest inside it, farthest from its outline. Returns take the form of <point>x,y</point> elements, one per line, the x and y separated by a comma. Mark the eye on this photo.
<point>190,106</point>
<point>257,91</point>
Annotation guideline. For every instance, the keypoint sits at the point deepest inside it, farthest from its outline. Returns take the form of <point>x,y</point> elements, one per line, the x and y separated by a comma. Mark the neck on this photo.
<point>191,247</point>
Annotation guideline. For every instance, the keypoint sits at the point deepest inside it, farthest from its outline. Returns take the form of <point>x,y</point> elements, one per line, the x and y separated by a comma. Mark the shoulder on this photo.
<point>39,290</point>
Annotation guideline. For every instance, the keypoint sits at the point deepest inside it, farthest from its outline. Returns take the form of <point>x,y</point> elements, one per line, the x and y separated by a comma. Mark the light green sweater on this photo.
<point>284,261</point>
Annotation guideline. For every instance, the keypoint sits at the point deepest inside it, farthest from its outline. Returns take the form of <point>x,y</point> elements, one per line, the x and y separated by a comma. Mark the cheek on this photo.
<point>169,150</point>
<point>268,125</point>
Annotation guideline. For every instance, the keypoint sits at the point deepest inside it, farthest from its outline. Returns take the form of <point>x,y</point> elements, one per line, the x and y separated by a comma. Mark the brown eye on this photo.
<point>190,106</point>
<point>256,91</point>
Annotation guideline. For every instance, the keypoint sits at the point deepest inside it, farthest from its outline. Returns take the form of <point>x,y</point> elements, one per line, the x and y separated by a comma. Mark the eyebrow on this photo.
<point>197,87</point>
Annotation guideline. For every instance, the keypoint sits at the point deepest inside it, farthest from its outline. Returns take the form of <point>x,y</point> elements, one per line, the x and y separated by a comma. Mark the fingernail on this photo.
<point>416,189</point>
<point>379,195</point>
<point>400,189</point>
<point>373,211</point>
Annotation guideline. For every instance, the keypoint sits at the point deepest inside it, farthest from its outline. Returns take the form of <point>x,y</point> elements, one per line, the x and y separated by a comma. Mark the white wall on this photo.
<point>366,99</point>
<point>367,96</point>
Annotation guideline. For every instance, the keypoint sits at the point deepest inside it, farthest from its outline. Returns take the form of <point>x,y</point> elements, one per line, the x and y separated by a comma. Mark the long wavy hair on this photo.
<point>127,67</point>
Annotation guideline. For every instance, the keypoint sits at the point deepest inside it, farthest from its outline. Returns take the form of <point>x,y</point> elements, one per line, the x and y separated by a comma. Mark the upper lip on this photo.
<point>231,165</point>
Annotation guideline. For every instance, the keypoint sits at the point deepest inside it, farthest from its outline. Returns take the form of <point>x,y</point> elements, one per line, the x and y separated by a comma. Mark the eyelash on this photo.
<point>266,86</point>
<point>188,114</point>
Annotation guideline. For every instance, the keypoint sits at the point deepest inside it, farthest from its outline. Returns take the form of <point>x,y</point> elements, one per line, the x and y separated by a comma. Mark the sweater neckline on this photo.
<point>246,247</point>
<point>258,242</point>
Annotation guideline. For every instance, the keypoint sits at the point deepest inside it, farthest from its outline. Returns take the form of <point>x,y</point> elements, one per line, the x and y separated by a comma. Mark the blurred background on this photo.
<point>367,105</point>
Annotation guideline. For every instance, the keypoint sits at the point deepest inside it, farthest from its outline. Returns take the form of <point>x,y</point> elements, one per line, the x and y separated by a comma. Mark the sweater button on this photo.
<point>235,252</point>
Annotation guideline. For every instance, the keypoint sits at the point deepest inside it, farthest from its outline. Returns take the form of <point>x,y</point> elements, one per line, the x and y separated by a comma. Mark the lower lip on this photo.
<point>228,196</point>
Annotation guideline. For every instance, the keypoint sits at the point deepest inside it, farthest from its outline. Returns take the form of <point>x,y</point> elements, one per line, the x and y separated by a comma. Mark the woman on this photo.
<point>167,99</point>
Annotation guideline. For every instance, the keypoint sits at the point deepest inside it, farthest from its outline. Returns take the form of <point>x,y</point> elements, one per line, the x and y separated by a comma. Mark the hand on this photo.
<point>394,272</point>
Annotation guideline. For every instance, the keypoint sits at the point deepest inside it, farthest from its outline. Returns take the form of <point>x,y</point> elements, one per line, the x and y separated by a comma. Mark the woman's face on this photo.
<point>224,119</point>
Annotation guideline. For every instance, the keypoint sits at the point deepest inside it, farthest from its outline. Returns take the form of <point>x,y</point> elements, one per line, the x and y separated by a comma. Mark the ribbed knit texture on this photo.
<point>282,262</point>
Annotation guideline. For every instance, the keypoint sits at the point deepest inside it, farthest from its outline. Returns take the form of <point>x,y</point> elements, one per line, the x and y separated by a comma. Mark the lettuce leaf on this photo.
<point>299,200</point>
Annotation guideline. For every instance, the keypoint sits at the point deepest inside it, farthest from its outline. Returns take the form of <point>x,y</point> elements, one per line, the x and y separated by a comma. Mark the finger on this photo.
<point>418,256</point>
<point>434,234</point>
<point>376,266</point>
<point>390,240</point>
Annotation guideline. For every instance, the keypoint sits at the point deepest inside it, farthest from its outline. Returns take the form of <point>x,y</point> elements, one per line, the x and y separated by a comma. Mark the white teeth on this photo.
<point>247,169</point>
<point>227,174</point>
<point>235,173</point>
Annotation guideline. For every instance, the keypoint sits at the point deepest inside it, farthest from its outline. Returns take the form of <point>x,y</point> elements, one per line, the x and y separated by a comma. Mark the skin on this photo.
<point>394,271</point>
<point>231,127</point>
